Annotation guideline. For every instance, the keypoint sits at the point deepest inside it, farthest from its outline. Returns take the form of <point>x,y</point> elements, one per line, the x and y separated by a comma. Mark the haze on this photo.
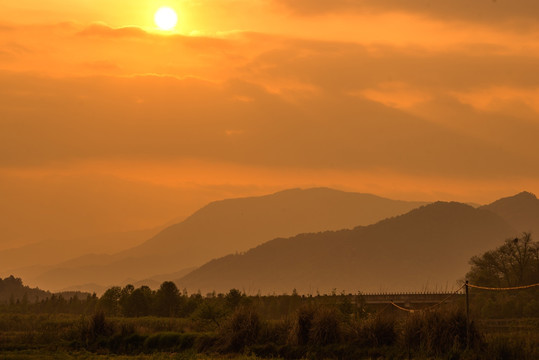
<point>108,125</point>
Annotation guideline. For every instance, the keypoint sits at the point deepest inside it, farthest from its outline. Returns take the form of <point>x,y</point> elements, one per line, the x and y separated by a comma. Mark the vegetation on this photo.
<point>513,264</point>
<point>244,331</point>
<point>169,323</point>
<point>299,327</point>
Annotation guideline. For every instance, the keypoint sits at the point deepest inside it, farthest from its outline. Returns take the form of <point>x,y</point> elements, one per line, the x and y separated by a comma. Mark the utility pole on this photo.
<point>467,316</point>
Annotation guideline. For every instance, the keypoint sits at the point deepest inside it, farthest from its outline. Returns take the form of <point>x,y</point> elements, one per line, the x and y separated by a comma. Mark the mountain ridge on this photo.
<point>520,210</point>
<point>228,226</point>
<point>396,251</point>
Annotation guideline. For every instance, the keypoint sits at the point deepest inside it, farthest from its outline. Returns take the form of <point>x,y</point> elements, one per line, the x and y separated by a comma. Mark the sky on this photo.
<point>109,124</point>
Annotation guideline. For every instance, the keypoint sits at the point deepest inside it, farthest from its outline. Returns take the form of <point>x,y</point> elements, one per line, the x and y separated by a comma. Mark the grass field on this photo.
<point>311,333</point>
<point>63,355</point>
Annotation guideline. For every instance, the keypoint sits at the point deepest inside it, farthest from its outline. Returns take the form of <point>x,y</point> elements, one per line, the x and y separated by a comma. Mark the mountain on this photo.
<point>521,211</point>
<point>228,226</point>
<point>236,225</point>
<point>427,248</point>
<point>39,256</point>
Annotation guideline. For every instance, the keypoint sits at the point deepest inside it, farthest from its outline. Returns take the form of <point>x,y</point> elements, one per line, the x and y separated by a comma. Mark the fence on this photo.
<point>467,287</point>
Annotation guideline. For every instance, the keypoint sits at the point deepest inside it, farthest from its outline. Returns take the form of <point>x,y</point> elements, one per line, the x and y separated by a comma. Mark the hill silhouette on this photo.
<point>427,248</point>
<point>240,224</point>
<point>12,289</point>
<point>223,227</point>
<point>521,211</point>
<point>34,258</point>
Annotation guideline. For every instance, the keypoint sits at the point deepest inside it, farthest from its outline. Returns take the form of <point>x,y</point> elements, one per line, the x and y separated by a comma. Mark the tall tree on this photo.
<point>515,263</point>
<point>139,302</point>
<point>168,299</point>
<point>109,303</point>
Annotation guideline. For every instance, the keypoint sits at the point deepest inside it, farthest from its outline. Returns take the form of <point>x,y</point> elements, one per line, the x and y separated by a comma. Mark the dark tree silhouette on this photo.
<point>515,263</point>
<point>109,303</point>
<point>233,298</point>
<point>139,302</point>
<point>168,299</point>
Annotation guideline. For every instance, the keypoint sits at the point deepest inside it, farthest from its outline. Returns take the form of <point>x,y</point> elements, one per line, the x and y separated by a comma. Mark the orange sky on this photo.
<point>108,124</point>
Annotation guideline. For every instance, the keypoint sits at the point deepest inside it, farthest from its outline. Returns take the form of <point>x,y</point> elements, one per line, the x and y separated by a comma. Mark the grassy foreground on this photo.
<point>310,332</point>
<point>65,355</point>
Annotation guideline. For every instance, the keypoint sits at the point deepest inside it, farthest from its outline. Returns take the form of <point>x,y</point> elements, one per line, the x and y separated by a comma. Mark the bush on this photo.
<point>134,343</point>
<point>302,325</point>
<point>275,332</point>
<point>187,341</point>
<point>242,329</point>
<point>89,332</point>
<point>205,342</point>
<point>502,348</point>
<point>437,333</point>
<point>99,326</point>
<point>378,331</point>
<point>325,327</point>
<point>412,332</point>
<point>163,341</point>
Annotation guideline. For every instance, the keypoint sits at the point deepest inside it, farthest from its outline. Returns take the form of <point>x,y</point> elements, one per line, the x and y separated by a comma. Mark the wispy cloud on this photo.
<point>103,30</point>
<point>481,11</point>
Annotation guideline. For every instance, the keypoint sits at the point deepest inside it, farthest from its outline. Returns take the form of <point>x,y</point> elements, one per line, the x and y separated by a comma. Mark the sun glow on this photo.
<point>166,18</point>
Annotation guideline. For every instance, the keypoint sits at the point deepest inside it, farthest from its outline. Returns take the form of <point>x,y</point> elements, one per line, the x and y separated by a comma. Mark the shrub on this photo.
<point>302,325</point>
<point>99,326</point>
<point>242,329</point>
<point>275,332</point>
<point>325,327</point>
<point>412,332</point>
<point>163,341</point>
<point>205,342</point>
<point>436,333</point>
<point>378,331</point>
<point>502,348</point>
<point>187,341</point>
<point>170,340</point>
<point>134,343</point>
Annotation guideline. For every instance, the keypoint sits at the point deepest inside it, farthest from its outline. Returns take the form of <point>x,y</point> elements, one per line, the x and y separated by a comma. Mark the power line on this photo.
<point>470,285</point>
<point>429,307</point>
<point>504,288</point>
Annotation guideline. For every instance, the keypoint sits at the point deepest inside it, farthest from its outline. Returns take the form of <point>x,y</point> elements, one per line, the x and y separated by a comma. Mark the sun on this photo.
<point>166,18</point>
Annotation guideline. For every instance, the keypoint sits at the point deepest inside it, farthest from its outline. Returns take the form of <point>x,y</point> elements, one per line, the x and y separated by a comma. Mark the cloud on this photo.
<point>481,11</point>
<point>272,100</point>
<point>103,30</point>
<point>196,42</point>
<point>6,28</point>
<point>76,50</point>
<point>162,118</point>
<point>346,66</point>
<point>199,42</point>
<point>100,66</point>
<point>12,51</point>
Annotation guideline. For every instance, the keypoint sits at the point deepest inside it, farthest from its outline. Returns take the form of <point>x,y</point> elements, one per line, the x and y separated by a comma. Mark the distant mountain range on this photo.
<point>220,228</point>
<point>38,256</point>
<point>520,211</point>
<point>426,248</point>
<point>236,225</point>
<point>313,240</point>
